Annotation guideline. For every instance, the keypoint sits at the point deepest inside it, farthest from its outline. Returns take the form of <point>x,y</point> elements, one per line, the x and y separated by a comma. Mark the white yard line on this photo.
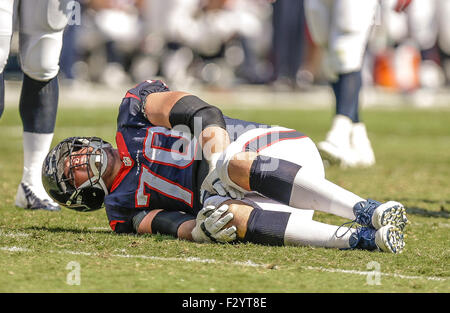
<point>100,228</point>
<point>14,234</point>
<point>15,249</point>
<point>248,263</point>
<point>158,258</point>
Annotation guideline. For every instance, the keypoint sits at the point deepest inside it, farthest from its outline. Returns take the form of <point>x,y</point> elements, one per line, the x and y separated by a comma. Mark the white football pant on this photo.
<point>426,21</point>
<point>40,24</point>
<point>341,28</point>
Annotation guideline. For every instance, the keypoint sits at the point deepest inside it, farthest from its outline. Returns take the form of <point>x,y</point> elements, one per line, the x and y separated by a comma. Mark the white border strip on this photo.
<point>248,263</point>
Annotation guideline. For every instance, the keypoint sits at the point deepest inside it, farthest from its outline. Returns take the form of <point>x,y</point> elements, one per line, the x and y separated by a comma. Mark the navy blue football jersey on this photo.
<point>158,164</point>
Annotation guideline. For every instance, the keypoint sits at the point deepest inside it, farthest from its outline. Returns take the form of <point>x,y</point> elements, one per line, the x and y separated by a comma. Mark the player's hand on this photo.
<point>213,185</point>
<point>401,5</point>
<point>210,225</point>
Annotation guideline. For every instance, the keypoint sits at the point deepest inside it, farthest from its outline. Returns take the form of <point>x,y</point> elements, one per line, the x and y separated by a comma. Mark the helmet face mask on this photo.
<point>59,180</point>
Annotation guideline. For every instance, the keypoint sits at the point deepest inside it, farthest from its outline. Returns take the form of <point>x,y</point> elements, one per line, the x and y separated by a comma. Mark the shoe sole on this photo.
<point>390,213</point>
<point>47,208</point>
<point>335,156</point>
<point>22,202</point>
<point>390,239</point>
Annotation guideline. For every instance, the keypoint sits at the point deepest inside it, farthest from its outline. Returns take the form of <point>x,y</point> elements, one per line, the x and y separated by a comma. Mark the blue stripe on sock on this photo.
<point>273,177</point>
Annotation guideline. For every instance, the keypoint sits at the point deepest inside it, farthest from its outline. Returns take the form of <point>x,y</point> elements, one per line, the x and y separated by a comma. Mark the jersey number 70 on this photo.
<point>177,152</point>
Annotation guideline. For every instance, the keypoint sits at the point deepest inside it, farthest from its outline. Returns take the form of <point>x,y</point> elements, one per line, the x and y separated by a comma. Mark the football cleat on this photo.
<point>387,238</point>
<point>375,214</point>
<point>336,149</point>
<point>334,154</point>
<point>27,199</point>
<point>360,144</point>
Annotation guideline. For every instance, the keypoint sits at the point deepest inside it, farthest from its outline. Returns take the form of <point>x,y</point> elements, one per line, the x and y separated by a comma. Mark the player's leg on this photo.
<point>423,25</point>
<point>425,18</point>
<point>41,31</point>
<point>291,172</point>
<point>6,30</point>
<point>443,12</point>
<point>262,221</point>
<point>350,28</point>
<point>318,18</point>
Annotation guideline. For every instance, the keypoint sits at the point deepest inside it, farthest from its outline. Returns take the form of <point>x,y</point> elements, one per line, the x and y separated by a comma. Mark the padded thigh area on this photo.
<point>6,30</point>
<point>41,26</point>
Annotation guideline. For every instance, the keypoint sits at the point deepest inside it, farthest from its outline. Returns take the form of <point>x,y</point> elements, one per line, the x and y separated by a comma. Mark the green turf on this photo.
<point>413,166</point>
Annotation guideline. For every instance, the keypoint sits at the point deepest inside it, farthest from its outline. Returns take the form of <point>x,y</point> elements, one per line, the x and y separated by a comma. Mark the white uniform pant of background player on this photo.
<point>426,21</point>
<point>40,24</point>
<point>341,28</point>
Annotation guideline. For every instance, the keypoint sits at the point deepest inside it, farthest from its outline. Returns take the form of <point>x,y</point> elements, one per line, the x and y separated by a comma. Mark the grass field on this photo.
<point>38,249</point>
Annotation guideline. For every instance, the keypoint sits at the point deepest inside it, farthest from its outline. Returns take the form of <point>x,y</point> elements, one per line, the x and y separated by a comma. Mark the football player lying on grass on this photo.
<point>232,180</point>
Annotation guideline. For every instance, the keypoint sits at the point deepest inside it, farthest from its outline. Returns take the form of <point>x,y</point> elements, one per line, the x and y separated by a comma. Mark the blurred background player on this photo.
<point>40,25</point>
<point>214,43</point>
<point>412,49</point>
<point>288,43</point>
<point>341,28</point>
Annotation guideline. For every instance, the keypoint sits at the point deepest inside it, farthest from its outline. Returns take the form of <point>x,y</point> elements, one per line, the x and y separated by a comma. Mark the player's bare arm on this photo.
<point>183,230</point>
<point>159,104</point>
<point>162,109</point>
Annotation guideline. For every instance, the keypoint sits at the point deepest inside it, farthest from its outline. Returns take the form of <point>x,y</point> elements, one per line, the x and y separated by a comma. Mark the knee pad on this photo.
<point>42,24</point>
<point>40,54</point>
<point>346,52</point>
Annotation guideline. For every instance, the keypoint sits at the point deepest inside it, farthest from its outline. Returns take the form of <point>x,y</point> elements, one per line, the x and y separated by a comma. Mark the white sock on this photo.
<point>35,149</point>
<point>317,193</point>
<point>304,232</point>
